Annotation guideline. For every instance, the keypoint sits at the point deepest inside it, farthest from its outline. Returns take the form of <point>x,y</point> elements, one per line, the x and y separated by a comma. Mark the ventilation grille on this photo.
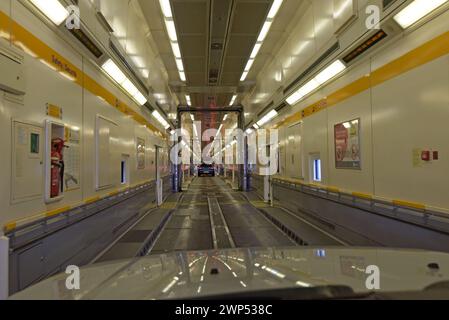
<point>128,66</point>
<point>323,57</point>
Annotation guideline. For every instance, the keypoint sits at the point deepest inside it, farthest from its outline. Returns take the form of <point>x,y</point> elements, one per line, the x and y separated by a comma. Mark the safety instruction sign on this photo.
<point>347,145</point>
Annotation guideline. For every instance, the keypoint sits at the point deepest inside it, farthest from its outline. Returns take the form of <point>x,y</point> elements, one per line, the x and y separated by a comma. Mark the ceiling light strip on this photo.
<point>320,79</point>
<point>118,76</point>
<point>173,35</point>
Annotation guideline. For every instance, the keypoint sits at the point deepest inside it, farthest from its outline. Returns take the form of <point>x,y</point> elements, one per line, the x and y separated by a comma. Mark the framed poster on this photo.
<point>347,145</point>
<point>140,154</point>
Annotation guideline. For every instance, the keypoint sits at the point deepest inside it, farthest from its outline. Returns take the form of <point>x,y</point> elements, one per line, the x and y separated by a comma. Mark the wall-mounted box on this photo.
<point>12,77</point>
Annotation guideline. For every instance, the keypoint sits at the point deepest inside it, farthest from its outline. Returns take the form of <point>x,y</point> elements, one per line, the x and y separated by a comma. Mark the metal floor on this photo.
<point>210,215</point>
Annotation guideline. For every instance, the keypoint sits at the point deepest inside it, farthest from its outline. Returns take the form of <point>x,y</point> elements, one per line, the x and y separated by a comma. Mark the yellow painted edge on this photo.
<point>409,204</point>
<point>55,212</point>
<point>429,51</point>
<point>92,200</point>
<point>113,193</point>
<point>333,189</point>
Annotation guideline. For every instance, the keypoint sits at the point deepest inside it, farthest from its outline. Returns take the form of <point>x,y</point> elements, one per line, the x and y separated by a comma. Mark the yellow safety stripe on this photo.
<point>434,49</point>
<point>57,211</point>
<point>409,204</point>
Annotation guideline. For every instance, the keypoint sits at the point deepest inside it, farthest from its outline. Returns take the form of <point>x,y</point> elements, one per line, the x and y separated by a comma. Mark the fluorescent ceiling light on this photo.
<point>225,117</point>
<point>52,9</point>
<point>118,76</point>
<point>249,131</point>
<point>189,101</point>
<point>275,8</point>
<point>272,114</point>
<point>129,87</point>
<point>176,50</point>
<point>234,97</point>
<point>140,98</point>
<point>166,8</point>
<point>255,50</point>
<point>255,126</point>
<point>171,29</point>
<point>249,65</point>
<point>416,10</point>
<point>182,75</point>
<point>179,64</point>
<point>295,97</point>
<point>244,75</point>
<point>264,32</point>
<point>324,76</point>
<point>161,119</point>
<point>114,71</point>
<point>330,72</point>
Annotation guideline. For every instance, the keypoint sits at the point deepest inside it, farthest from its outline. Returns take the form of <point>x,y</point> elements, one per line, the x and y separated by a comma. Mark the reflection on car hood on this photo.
<point>201,274</point>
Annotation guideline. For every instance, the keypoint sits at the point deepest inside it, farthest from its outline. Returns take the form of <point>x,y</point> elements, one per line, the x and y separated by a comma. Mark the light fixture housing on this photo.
<point>275,9</point>
<point>417,10</point>
<point>160,119</point>
<point>118,76</point>
<point>264,32</point>
<point>234,97</point>
<point>171,29</point>
<point>52,9</point>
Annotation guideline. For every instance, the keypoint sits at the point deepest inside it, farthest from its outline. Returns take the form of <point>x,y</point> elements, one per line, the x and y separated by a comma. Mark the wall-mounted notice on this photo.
<point>347,145</point>
<point>140,154</point>
<point>72,158</point>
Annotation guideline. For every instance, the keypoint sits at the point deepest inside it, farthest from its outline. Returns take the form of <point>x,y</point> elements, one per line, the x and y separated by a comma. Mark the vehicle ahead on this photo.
<point>206,170</point>
<point>266,273</point>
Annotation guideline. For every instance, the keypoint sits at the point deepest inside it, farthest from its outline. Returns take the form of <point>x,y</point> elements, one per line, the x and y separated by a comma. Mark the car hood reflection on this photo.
<point>186,275</point>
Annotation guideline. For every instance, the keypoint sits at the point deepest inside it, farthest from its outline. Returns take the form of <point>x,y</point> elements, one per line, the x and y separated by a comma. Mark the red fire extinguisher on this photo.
<point>57,167</point>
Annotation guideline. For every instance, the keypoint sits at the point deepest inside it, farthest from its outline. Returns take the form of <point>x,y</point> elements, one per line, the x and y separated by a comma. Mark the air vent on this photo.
<point>365,46</point>
<point>217,46</point>
<point>87,42</point>
<point>317,62</point>
<point>270,105</point>
<point>128,66</point>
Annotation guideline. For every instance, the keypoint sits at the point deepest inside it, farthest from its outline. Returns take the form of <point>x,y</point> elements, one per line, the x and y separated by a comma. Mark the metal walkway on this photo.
<point>210,215</point>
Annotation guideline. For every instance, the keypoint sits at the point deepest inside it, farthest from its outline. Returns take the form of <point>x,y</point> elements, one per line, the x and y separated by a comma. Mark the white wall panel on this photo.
<point>411,111</point>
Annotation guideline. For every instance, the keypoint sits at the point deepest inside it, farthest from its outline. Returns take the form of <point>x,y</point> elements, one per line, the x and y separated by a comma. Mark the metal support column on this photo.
<point>243,168</point>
